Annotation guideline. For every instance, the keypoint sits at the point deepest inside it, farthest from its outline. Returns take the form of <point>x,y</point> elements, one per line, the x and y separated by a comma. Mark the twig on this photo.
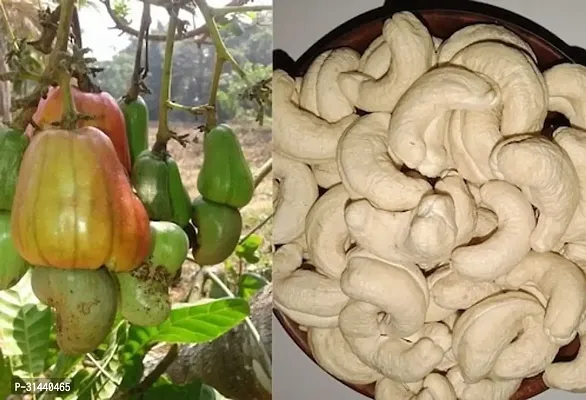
<point>121,25</point>
<point>195,110</point>
<point>50,74</point>
<point>257,227</point>
<point>163,133</point>
<point>102,369</point>
<point>222,56</point>
<point>151,378</point>
<point>219,11</point>
<point>221,49</point>
<point>134,90</point>
<point>266,359</point>
<point>266,169</point>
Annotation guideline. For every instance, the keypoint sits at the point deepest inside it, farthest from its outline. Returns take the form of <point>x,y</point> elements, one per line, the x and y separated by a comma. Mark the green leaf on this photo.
<point>248,250</point>
<point>202,322</point>
<point>53,348</point>
<point>25,327</point>
<point>5,377</point>
<point>249,284</point>
<point>96,385</point>
<point>132,352</point>
<point>121,8</point>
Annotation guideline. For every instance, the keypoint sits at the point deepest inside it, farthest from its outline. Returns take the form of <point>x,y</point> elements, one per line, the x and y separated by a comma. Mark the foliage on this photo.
<point>193,65</point>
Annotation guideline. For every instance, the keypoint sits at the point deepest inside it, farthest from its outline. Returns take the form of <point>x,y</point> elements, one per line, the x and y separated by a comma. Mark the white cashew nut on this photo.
<point>564,285</point>
<point>326,232</point>
<point>332,104</point>
<point>296,193</point>
<point>298,133</point>
<point>573,141</point>
<point>368,171</point>
<point>480,33</point>
<point>333,353</point>
<point>383,233</point>
<point>369,279</point>
<point>435,387</point>
<point>304,292</point>
<point>566,84</point>
<point>524,92</point>
<point>432,236</point>
<point>570,376</point>
<point>412,54</point>
<point>326,174</point>
<point>452,291</point>
<point>498,254</point>
<point>486,223</point>
<point>471,137</point>
<point>440,90</point>
<point>547,177</point>
<point>465,206</point>
<point>376,59</point>
<point>486,389</point>
<point>502,336</point>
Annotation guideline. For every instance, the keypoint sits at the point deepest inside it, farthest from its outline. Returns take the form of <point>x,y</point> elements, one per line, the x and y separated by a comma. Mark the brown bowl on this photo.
<point>442,18</point>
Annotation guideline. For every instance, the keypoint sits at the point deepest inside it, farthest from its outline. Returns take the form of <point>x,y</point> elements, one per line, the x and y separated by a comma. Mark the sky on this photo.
<point>106,42</point>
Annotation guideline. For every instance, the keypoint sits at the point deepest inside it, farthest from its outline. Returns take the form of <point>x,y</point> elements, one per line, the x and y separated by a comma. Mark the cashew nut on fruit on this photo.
<point>368,171</point>
<point>313,299</point>
<point>296,192</point>
<point>498,254</point>
<point>440,90</point>
<point>412,52</point>
<point>548,178</point>
<point>298,133</point>
<point>561,282</point>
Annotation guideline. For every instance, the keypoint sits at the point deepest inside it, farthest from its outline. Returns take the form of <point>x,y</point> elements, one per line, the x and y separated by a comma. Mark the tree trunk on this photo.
<point>232,363</point>
<point>5,87</point>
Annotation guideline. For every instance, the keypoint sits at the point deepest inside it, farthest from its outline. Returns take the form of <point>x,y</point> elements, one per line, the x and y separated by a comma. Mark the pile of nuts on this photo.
<point>446,257</point>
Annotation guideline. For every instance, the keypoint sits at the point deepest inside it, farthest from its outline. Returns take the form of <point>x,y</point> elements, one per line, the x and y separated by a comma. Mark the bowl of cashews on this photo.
<point>430,204</point>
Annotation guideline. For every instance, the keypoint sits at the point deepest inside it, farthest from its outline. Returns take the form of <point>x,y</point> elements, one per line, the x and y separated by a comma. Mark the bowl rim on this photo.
<point>576,54</point>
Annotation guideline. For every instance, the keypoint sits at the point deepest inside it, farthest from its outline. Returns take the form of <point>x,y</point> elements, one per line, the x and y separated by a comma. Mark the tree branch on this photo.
<point>219,11</point>
<point>266,169</point>
<point>201,31</point>
<point>253,331</point>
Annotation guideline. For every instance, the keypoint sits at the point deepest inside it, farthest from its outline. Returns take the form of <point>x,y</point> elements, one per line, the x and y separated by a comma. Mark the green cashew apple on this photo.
<point>144,295</point>
<point>12,265</point>
<point>218,231</point>
<point>85,302</point>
